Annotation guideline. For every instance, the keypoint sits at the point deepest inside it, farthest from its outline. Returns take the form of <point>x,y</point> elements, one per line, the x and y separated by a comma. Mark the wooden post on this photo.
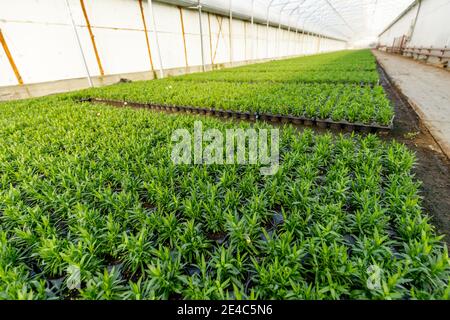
<point>184,38</point>
<point>231,32</point>
<point>74,27</point>
<point>146,38</point>
<point>88,24</point>
<point>210,41</point>
<point>201,34</point>
<point>10,59</point>
<point>152,14</point>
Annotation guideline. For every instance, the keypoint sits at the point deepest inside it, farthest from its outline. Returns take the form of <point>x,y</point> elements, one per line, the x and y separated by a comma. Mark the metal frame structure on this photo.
<point>337,19</point>
<point>332,19</point>
<point>155,32</point>
<point>82,55</point>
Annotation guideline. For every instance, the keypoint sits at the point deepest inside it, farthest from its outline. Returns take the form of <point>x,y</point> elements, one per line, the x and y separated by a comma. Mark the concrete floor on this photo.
<point>427,89</point>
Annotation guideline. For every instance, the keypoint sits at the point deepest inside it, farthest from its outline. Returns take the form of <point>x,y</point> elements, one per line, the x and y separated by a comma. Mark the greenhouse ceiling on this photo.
<point>350,20</point>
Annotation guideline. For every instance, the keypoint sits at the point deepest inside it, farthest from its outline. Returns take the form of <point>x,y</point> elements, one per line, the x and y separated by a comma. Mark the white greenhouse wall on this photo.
<point>400,28</point>
<point>43,45</point>
<point>431,29</point>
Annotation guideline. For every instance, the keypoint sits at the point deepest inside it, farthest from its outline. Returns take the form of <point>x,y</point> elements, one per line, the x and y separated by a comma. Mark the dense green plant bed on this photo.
<point>322,92</point>
<point>322,101</point>
<point>362,60</point>
<point>93,187</point>
<point>323,76</point>
<point>338,67</point>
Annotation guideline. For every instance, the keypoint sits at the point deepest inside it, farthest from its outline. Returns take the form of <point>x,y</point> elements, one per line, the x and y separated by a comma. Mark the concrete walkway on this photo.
<point>427,89</point>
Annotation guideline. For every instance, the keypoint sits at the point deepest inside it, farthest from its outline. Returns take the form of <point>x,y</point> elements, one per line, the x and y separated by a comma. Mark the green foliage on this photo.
<point>342,86</point>
<point>93,187</point>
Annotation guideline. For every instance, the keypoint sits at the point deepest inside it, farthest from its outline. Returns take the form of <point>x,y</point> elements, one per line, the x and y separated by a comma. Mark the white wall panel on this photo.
<point>431,27</point>
<point>41,39</point>
<point>43,52</point>
<point>7,76</point>
<point>400,28</point>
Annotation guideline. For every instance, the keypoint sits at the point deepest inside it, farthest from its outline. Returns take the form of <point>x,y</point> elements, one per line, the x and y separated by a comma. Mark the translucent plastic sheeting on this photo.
<point>349,20</point>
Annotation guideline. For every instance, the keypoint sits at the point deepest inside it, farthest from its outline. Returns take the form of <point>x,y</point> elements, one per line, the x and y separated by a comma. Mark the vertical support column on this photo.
<point>245,40</point>
<point>79,44</point>
<point>252,38</point>
<point>199,7</point>
<point>184,38</point>
<point>279,37</point>
<point>88,24</point>
<point>231,32</point>
<point>152,14</point>
<point>210,41</point>
<point>415,19</point>
<point>141,7</point>
<point>302,41</point>
<point>10,59</point>
<point>310,42</point>
<point>307,42</point>
<point>318,43</point>
<point>267,33</point>
<point>289,40</point>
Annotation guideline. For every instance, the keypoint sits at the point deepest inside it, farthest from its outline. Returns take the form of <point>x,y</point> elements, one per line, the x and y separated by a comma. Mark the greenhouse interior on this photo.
<point>224,150</point>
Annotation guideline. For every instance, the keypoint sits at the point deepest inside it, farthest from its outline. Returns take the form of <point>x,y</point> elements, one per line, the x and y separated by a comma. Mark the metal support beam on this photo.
<point>75,31</point>
<point>210,41</point>
<point>310,42</point>
<point>289,39</point>
<point>231,31</point>
<point>253,30</point>
<point>10,58</point>
<point>199,7</point>
<point>91,34</point>
<point>267,33</point>
<point>279,37</point>
<point>296,41</point>
<point>302,41</point>
<point>267,28</point>
<point>183,33</point>
<point>141,7</point>
<point>158,48</point>
<point>318,43</point>
<point>340,16</point>
<point>415,19</point>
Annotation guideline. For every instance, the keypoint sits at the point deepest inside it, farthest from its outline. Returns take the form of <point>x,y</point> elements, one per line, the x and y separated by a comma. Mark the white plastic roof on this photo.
<point>350,20</point>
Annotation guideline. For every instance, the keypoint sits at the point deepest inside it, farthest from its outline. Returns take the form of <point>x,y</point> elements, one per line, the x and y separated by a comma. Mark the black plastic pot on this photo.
<point>349,127</point>
<point>285,120</point>
<point>274,118</point>
<point>244,116</point>
<point>322,124</point>
<point>297,120</point>
<point>335,126</point>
